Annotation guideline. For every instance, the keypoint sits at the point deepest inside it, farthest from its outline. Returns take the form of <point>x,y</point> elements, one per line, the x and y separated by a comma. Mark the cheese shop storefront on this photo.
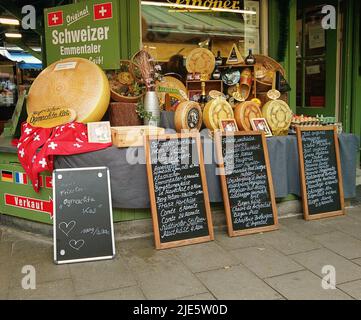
<point>118,72</point>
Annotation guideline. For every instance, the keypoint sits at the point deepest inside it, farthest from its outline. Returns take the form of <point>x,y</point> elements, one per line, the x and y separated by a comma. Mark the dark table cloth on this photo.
<point>129,179</point>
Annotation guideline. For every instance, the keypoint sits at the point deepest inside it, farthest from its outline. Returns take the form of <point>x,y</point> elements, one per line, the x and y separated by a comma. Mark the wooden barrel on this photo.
<point>244,112</point>
<point>216,110</point>
<point>188,116</point>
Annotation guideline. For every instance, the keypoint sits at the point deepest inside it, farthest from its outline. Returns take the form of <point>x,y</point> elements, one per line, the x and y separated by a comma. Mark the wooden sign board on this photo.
<point>178,190</point>
<point>246,180</point>
<point>320,172</point>
<point>83,218</point>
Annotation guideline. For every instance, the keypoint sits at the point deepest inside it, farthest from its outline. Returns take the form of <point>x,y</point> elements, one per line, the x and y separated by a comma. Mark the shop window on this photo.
<point>312,54</point>
<point>175,27</point>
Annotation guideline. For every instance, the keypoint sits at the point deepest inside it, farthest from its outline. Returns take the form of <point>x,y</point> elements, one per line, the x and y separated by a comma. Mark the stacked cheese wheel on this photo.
<point>244,112</point>
<point>216,110</point>
<point>278,115</point>
<point>188,116</point>
<point>73,83</point>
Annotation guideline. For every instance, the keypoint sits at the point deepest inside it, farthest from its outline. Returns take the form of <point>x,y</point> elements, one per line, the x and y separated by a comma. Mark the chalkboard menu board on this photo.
<point>83,219</point>
<point>178,190</point>
<point>320,172</point>
<point>247,185</point>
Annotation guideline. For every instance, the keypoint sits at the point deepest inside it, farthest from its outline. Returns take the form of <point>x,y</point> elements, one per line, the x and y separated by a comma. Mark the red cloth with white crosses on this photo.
<point>67,139</point>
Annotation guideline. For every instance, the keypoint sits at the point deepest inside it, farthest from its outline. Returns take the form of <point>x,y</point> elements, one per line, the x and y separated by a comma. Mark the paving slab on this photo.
<point>205,256</point>
<point>266,262</point>
<point>128,293</point>
<point>231,243</point>
<point>56,290</point>
<point>237,283</point>
<point>354,213</point>
<point>162,275</point>
<point>288,242</point>
<point>5,252</point>
<point>99,276</point>
<point>347,225</point>
<point>304,285</point>
<point>315,260</point>
<point>28,252</point>
<point>46,271</point>
<point>5,276</point>
<point>306,228</point>
<point>357,261</point>
<point>202,296</point>
<point>341,243</point>
<point>352,288</point>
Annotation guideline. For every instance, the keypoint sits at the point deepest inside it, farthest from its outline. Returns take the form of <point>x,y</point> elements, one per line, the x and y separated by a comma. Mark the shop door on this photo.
<point>316,60</point>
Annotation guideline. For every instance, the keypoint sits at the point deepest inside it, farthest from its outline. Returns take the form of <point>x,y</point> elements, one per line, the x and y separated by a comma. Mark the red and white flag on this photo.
<point>55,18</point>
<point>103,11</point>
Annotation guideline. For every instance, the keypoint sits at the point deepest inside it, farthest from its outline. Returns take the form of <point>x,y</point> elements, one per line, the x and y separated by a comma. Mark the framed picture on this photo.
<point>228,125</point>
<point>260,124</point>
<point>194,95</point>
<point>99,132</point>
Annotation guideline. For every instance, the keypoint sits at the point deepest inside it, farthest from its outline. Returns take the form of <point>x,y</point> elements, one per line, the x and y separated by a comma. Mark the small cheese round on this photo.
<point>73,83</point>
<point>216,110</point>
<point>188,116</point>
<point>244,112</point>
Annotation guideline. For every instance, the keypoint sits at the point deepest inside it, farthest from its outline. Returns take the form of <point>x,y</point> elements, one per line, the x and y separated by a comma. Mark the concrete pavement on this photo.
<point>284,264</point>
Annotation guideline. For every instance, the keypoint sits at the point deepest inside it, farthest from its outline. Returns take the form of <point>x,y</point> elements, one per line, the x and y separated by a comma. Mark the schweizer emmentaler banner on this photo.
<point>88,29</point>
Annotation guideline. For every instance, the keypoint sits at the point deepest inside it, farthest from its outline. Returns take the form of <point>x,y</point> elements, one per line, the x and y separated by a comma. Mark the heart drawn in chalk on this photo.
<point>76,244</point>
<point>67,227</point>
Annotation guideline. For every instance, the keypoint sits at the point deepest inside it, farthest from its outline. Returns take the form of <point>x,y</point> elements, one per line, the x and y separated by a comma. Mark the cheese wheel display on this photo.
<point>278,115</point>
<point>216,110</point>
<point>176,90</point>
<point>188,116</point>
<point>73,83</point>
<point>244,112</point>
<point>52,117</point>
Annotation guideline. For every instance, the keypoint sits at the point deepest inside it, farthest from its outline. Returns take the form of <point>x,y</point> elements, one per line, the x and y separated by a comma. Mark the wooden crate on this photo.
<point>133,136</point>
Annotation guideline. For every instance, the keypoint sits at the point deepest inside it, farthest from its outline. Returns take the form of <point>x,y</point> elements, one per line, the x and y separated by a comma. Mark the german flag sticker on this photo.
<point>7,176</point>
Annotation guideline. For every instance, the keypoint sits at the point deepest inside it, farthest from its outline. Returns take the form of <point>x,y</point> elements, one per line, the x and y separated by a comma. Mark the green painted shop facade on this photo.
<point>285,42</point>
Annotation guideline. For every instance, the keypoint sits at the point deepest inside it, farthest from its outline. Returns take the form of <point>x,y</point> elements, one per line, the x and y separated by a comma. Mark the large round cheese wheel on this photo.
<point>74,83</point>
<point>188,116</point>
<point>278,115</point>
<point>244,112</point>
<point>216,110</point>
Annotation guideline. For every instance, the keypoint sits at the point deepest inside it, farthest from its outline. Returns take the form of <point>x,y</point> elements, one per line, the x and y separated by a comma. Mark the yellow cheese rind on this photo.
<point>83,87</point>
<point>51,117</point>
<point>188,116</point>
<point>278,115</point>
<point>216,110</point>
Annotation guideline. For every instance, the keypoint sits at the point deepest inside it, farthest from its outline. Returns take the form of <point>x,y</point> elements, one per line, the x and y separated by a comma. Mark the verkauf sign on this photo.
<point>88,29</point>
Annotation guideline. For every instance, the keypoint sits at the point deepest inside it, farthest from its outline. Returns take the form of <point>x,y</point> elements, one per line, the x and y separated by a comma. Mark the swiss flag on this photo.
<point>49,182</point>
<point>55,18</point>
<point>103,11</point>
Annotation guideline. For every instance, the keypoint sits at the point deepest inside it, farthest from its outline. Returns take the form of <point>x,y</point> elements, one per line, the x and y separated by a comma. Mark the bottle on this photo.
<point>203,99</point>
<point>250,59</point>
<point>216,75</point>
<point>219,60</point>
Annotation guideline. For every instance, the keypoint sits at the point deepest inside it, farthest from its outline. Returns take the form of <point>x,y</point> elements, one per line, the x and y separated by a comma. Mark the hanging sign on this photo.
<point>88,29</point>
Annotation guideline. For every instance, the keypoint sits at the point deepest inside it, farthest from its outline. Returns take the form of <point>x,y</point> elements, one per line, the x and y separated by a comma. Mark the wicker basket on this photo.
<point>132,69</point>
<point>270,64</point>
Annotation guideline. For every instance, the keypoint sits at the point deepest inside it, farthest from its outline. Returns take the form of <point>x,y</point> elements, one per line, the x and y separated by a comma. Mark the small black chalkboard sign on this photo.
<point>320,172</point>
<point>83,218</point>
<point>178,190</point>
<point>247,186</point>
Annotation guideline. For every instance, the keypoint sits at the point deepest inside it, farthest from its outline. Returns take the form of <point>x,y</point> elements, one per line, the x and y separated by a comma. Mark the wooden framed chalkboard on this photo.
<point>83,218</point>
<point>246,180</point>
<point>178,190</point>
<point>320,172</point>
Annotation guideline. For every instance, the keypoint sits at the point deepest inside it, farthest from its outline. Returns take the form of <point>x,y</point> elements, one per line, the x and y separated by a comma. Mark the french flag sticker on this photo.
<point>21,178</point>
